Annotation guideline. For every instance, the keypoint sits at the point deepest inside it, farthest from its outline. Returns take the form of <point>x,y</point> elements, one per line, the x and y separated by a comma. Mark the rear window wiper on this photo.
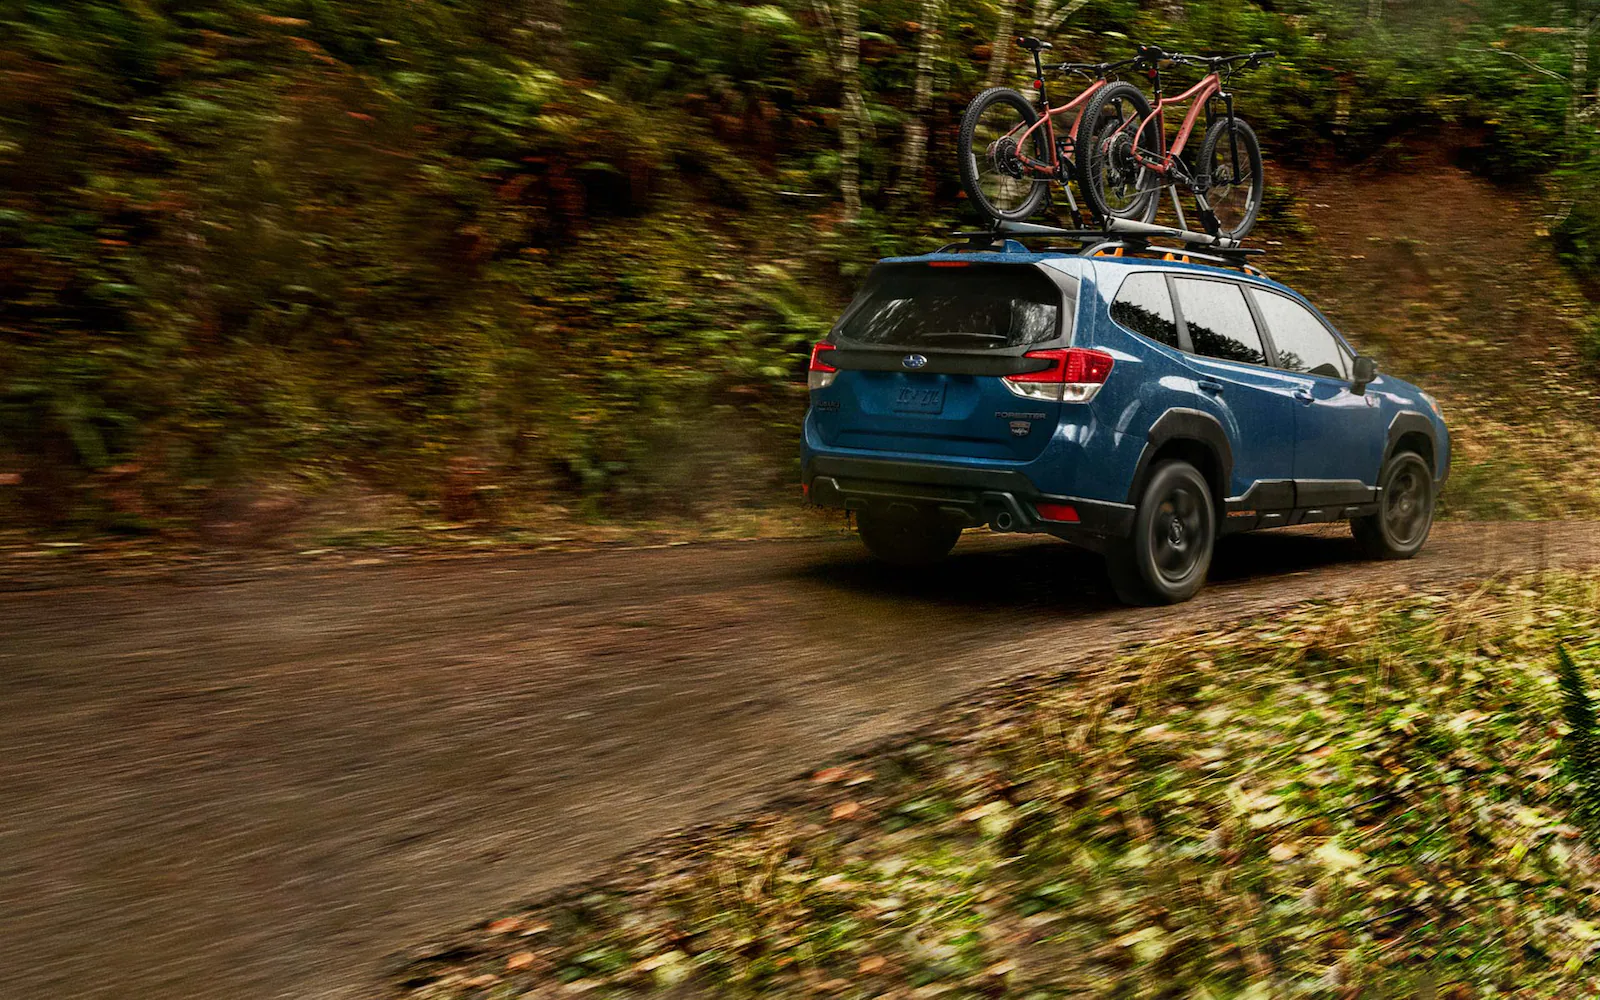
<point>956,333</point>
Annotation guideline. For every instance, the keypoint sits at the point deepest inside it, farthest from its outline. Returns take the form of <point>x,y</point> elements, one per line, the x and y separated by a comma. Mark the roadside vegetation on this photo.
<point>1391,797</point>
<point>357,269</point>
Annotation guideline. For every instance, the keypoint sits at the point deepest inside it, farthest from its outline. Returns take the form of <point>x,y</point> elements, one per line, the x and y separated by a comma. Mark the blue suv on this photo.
<point>1140,406</point>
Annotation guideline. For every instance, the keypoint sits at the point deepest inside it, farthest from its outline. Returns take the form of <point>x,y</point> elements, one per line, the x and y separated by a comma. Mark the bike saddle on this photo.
<point>1034,44</point>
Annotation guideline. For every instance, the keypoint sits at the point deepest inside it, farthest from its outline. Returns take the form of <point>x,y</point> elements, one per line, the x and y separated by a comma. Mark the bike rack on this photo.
<point>1120,237</point>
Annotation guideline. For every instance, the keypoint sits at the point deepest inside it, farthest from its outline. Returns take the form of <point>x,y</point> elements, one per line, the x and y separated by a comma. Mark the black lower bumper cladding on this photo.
<point>1003,500</point>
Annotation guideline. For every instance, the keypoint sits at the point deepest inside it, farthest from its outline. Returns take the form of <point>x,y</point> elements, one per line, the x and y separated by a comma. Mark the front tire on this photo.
<point>994,179</point>
<point>1166,559</point>
<point>1236,177</point>
<point>1405,511</point>
<point>906,539</point>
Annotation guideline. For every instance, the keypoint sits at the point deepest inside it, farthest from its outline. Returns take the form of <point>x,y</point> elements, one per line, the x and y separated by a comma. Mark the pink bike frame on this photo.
<point>1201,93</point>
<point>1047,122</point>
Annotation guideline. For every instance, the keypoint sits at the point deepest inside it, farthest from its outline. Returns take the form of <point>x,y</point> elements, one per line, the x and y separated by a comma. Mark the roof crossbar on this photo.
<point>1121,236</point>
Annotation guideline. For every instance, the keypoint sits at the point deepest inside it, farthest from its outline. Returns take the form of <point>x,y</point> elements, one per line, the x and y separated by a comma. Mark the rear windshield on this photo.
<point>964,308</point>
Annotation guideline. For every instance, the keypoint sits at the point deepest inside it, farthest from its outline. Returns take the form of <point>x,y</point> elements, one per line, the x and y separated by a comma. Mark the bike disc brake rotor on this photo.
<point>1005,183</point>
<point>1229,196</point>
<point>1003,157</point>
<point>1120,171</point>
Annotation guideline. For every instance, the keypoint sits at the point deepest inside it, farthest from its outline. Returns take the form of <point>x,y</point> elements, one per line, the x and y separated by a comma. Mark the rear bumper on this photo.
<point>1000,498</point>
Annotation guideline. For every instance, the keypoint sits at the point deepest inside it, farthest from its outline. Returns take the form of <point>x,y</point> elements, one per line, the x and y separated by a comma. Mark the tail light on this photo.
<point>821,374</point>
<point>1074,376</point>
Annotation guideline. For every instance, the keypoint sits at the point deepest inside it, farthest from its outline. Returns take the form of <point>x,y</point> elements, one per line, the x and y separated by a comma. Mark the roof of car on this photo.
<point>983,257</point>
<point>1191,266</point>
<point>1016,253</point>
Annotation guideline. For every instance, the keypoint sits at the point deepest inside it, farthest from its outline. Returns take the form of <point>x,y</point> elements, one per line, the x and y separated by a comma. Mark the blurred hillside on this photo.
<point>498,259</point>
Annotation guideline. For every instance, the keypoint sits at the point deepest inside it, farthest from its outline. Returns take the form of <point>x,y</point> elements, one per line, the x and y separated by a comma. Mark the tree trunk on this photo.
<point>534,29</point>
<point>1050,15</point>
<point>854,106</point>
<point>1580,69</point>
<point>1002,42</point>
<point>1044,12</point>
<point>916,150</point>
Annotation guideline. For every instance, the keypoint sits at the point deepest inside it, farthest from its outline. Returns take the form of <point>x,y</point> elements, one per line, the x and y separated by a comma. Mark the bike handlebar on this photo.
<point>1151,55</point>
<point>1094,69</point>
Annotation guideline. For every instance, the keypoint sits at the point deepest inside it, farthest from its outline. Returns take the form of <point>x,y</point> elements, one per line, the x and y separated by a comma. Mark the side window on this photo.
<point>1303,343</point>
<point>1219,321</point>
<point>1143,306</point>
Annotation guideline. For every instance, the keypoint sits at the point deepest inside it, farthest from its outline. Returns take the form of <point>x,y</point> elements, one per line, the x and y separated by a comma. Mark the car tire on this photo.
<point>1166,558</point>
<point>906,539</point>
<point>1405,510</point>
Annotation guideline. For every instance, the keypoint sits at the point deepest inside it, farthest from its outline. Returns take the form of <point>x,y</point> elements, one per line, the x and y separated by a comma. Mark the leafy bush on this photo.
<point>313,240</point>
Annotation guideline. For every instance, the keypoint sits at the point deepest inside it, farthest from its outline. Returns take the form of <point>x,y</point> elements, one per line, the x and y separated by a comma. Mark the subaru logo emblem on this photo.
<point>913,361</point>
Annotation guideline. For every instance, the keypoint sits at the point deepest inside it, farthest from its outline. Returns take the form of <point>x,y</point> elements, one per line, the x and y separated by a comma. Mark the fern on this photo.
<point>1580,748</point>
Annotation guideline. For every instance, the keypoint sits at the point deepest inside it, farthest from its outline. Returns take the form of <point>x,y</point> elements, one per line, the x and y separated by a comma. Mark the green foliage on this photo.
<point>1358,799</point>
<point>1580,747</point>
<point>1577,234</point>
<point>318,240</point>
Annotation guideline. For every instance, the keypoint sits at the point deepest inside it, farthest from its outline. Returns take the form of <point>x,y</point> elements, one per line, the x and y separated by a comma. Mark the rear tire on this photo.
<point>905,539</point>
<point>1166,559</point>
<point>1405,510</point>
<point>1112,184</point>
<point>994,182</point>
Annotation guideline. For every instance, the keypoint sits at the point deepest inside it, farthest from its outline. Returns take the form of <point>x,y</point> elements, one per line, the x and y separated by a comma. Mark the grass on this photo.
<point>1355,800</point>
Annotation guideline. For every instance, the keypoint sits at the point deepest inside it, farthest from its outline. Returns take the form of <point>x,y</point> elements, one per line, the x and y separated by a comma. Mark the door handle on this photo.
<point>1209,385</point>
<point>1302,394</point>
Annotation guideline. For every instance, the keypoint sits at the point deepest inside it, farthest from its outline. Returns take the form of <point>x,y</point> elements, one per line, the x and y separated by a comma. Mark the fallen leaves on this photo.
<point>1250,815</point>
<point>1335,858</point>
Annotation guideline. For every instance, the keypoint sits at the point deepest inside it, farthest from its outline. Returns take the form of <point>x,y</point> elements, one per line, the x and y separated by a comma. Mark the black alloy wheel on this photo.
<point>1405,510</point>
<point>1166,559</point>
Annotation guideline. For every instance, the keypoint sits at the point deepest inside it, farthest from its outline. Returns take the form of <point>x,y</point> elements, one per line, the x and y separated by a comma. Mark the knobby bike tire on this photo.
<point>1090,155</point>
<point>971,160</point>
<point>1216,145</point>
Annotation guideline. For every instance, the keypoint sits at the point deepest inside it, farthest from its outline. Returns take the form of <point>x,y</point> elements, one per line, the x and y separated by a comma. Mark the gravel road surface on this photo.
<point>268,785</point>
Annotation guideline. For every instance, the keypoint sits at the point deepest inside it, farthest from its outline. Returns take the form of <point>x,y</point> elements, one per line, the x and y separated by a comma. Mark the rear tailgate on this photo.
<point>922,351</point>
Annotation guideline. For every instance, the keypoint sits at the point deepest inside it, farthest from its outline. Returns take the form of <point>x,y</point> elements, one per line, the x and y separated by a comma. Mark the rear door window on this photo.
<point>958,307</point>
<point>1144,306</point>
<point>1218,321</point>
<point>1303,343</point>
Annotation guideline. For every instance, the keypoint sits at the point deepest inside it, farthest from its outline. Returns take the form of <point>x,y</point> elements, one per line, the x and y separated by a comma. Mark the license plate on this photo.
<point>919,398</point>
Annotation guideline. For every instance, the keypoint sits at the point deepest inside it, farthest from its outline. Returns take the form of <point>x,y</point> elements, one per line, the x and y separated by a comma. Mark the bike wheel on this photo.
<point>987,148</point>
<point>1233,158</point>
<point>1113,183</point>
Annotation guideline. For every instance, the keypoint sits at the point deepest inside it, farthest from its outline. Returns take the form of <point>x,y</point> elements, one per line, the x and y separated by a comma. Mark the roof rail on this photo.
<point>1121,238</point>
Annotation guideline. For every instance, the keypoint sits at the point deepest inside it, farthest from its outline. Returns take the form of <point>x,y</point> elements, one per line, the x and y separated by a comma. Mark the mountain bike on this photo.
<point>1128,164</point>
<point>1011,151</point>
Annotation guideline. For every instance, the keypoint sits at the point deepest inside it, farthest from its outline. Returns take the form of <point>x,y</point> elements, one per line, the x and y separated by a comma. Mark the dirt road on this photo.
<point>269,786</point>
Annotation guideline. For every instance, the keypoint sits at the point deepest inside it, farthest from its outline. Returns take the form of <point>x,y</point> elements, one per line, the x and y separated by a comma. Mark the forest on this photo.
<point>484,257</point>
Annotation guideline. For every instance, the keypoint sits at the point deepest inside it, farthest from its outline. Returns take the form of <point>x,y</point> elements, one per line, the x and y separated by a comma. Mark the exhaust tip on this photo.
<point>1003,521</point>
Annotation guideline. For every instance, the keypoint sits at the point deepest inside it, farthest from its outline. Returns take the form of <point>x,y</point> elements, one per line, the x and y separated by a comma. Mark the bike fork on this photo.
<point>1202,179</point>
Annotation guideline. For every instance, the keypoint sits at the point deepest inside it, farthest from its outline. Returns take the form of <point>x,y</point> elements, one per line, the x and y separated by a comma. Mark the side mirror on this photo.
<point>1366,370</point>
